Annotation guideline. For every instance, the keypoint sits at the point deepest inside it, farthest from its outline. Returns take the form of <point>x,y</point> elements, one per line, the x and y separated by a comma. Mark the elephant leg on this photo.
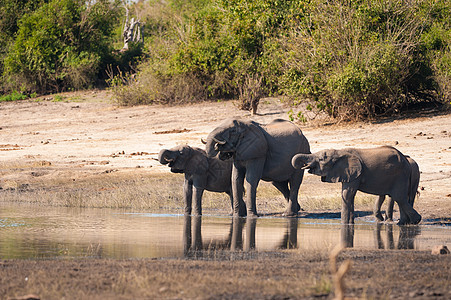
<point>239,210</point>
<point>377,207</point>
<point>251,196</point>
<point>254,172</point>
<point>188,195</point>
<point>348,192</point>
<point>295,182</point>
<point>198,192</point>
<point>282,186</point>
<point>391,204</point>
<point>408,215</point>
<point>230,194</point>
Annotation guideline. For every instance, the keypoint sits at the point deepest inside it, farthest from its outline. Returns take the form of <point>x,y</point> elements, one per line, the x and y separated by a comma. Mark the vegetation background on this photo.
<point>351,59</point>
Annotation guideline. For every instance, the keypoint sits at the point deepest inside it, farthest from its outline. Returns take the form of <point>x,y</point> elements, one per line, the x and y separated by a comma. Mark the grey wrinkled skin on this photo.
<point>201,173</point>
<point>260,152</point>
<point>378,171</point>
<point>414,182</point>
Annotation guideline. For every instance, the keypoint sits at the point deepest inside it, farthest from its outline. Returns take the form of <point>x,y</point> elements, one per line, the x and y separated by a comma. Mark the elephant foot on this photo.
<point>252,215</point>
<point>379,216</point>
<point>403,222</point>
<point>289,213</point>
<point>416,220</point>
<point>298,208</point>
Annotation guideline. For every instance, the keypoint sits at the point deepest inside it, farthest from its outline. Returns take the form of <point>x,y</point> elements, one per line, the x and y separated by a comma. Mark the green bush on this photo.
<point>355,59</point>
<point>14,96</point>
<point>63,44</point>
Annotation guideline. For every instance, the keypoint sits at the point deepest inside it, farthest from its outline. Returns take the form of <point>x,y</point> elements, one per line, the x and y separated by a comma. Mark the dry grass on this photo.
<point>290,274</point>
<point>141,190</point>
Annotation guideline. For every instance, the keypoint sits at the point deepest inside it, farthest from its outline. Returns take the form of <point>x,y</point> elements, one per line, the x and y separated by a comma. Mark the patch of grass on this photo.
<point>14,96</point>
<point>58,98</point>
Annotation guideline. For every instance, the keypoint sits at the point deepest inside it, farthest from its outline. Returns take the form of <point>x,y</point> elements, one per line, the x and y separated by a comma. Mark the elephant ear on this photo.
<point>251,142</point>
<point>346,168</point>
<point>197,163</point>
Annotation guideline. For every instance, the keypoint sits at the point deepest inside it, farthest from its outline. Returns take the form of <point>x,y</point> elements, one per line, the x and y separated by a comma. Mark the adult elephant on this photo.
<point>379,171</point>
<point>414,182</point>
<point>260,152</point>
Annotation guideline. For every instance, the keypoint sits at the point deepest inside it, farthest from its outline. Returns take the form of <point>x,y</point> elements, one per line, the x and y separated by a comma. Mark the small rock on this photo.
<point>440,249</point>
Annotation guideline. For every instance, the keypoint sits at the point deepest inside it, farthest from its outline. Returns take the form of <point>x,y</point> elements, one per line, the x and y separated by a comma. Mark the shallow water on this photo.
<point>47,232</point>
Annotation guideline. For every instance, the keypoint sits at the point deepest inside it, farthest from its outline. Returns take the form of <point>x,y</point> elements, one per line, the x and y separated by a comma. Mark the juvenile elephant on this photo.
<point>260,152</point>
<point>201,172</point>
<point>414,182</point>
<point>378,171</point>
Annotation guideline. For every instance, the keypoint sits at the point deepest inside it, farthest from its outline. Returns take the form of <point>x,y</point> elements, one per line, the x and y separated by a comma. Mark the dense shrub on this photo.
<point>354,59</point>
<point>63,44</point>
<point>360,59</point>
<point>350,59</point>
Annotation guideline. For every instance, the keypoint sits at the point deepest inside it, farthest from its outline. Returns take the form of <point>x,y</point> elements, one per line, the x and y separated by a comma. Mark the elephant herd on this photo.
<point>240,153</point>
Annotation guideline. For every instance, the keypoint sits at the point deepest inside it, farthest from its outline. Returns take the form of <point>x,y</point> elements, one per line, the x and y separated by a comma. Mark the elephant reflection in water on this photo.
<point>192,240</point>
<point>193,244</point>
<point>406,237</point>
<point>290,238</point>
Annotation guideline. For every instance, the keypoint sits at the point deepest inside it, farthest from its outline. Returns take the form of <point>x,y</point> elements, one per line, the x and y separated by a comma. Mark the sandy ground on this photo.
<point>86,135</point>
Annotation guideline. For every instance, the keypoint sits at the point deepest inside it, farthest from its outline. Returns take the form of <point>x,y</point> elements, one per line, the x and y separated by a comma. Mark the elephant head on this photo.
<point>176,158</point>
<point>240,140</point>
<point>331,165</point>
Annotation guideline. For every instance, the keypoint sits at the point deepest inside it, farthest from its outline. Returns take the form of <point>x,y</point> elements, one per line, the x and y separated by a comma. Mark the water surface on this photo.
<point>48,232</point>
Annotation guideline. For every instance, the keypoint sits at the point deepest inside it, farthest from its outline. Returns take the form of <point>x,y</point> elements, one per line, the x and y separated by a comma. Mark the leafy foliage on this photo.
<point>63,44</point>
<point>350,59</point>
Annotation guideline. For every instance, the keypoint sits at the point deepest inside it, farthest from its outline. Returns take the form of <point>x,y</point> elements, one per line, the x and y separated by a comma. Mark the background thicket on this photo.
<point>351,59</point>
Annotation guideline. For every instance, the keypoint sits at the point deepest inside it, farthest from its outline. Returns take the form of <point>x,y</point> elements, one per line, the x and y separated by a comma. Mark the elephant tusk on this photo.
<point>307,166</point>
<point>219,141</point>
<point>203,141</point>
<point>168,159</point>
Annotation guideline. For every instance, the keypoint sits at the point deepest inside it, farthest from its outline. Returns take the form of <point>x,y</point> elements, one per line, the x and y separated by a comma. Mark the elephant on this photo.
<point>260,152</point>
<point>378,171</point>
<point>201,172</point>
<point>414,182</point>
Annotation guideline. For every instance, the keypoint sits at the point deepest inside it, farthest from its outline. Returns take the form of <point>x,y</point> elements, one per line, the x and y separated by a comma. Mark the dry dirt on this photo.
<point>85,135</point>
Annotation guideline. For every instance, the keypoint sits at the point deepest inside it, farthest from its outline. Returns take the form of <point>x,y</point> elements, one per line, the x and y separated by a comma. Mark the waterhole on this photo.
<point>43,232</point>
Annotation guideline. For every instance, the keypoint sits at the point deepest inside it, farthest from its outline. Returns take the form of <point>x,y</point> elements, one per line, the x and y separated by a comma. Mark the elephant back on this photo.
<point>282,135</point>
<point>284,141</point>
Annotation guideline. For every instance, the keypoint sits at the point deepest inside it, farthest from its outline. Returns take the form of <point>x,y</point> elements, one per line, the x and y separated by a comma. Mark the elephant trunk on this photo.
<point>165,157</point>
<point>303,161</point>
<point>212,145</point>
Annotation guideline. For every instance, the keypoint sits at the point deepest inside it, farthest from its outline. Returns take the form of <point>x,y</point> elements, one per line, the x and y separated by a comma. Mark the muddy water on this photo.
<point>38,232</point>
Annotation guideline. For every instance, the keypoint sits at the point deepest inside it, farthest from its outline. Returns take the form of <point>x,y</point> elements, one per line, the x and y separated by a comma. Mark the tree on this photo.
<point>63,44</point>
